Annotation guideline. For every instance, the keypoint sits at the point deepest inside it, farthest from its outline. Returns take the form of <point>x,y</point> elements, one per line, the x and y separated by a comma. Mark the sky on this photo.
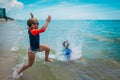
<point>62,9</point>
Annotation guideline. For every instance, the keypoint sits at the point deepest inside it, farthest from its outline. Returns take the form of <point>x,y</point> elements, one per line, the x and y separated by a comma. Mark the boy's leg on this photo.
<point>31,58</point>
<point>47,50</point>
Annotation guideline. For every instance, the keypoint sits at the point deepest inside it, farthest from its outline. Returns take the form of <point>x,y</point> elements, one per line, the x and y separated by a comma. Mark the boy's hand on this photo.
<point>48,19</point>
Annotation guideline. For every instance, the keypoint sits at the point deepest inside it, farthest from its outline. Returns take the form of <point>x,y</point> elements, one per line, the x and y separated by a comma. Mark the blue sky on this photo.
<point>63,9</point>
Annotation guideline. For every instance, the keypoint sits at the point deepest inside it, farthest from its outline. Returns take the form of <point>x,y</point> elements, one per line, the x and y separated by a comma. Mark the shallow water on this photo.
<point>74,70</point>
<point>96,41</point>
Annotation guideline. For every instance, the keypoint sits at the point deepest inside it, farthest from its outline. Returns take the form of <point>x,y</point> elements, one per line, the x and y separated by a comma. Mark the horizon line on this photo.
<point>71,19</point>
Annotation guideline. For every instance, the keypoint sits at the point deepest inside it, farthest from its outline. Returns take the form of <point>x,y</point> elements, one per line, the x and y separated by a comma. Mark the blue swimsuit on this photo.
<point>67,53</point>
<point>34,41</point>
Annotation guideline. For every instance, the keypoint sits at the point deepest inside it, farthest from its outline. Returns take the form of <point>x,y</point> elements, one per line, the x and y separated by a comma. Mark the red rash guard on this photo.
<point>35,32</point>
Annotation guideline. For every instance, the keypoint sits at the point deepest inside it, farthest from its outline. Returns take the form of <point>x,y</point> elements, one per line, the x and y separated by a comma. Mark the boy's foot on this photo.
<point>16,75</point>
<point>49,60</point>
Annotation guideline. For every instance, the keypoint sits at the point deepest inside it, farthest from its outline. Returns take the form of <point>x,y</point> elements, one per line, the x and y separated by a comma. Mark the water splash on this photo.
<point>15,73</point>
<point>15,46</point>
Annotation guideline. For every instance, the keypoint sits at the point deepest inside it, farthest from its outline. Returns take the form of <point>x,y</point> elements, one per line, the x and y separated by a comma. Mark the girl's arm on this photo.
<point>45,25</point>
<point>35,32</point>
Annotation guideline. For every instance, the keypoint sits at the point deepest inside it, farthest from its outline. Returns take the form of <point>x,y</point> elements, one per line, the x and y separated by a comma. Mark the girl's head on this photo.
<point>33,22</point>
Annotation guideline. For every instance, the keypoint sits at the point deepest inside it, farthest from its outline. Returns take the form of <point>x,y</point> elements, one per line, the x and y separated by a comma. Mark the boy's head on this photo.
<point>66,44</point>
<point>32,21</point>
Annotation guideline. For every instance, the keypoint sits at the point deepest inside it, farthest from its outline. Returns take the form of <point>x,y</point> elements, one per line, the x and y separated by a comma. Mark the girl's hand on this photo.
<point>48,19</point>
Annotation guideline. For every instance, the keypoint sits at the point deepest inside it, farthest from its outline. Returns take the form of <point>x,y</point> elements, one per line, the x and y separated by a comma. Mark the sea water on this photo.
<point>96,43</point>
<point>92,39</point>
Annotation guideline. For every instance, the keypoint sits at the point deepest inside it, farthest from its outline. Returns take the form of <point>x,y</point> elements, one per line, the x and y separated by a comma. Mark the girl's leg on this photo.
<point>47,50</point>
<point>31,58</point>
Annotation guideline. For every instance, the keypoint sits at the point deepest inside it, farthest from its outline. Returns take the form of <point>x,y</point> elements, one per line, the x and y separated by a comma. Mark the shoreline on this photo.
<point>8,58</point>
<point>4,20</point>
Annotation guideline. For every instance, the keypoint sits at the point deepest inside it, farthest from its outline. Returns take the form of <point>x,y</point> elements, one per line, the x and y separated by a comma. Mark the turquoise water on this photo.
<point>93,39</point>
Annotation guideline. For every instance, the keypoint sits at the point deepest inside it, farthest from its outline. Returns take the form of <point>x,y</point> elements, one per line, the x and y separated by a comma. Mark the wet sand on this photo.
<point>7,62</point>
<point>75,70</point>
<point>7,58</point>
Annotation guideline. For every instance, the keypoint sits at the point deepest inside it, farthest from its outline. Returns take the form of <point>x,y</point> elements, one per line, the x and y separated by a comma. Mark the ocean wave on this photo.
<point>99,38</point>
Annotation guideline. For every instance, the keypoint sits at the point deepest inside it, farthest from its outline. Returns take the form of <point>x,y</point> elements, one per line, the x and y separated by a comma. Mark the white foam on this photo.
<point>16,69</point>
<point>60,57</point>
<point>16,75</point>
<point>20,32</point>
<point>18,66</point>
<point>14,49</point>
<point>76,54</point>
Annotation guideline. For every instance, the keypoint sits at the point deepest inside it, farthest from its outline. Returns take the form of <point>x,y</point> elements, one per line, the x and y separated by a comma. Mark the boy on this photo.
<point>34,43</point>
<point>66,51</point>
